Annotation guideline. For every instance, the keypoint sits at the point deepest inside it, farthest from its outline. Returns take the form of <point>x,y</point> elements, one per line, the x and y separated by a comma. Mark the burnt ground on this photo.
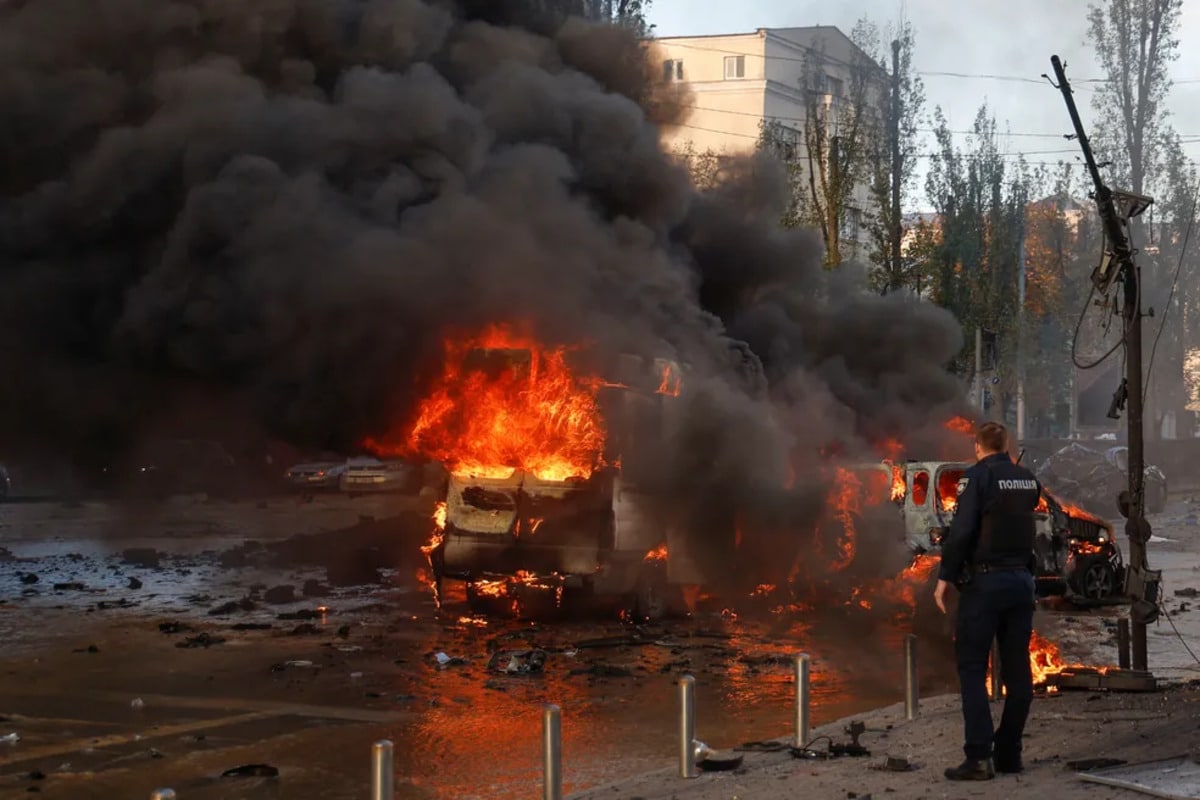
<point>166,645</point>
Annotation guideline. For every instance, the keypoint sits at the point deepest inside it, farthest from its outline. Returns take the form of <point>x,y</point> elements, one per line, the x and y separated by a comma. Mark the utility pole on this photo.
<point>1021,336</point>
<point>897,168</point>
<point>1117,264</point>
<point>979,368</point>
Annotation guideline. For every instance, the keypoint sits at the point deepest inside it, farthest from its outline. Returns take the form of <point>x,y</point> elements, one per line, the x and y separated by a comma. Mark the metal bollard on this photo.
<point>802,700</point>
<point>995,670</point>
<point>687,727</point>
<point>163,794</point>
<point>912,690</point>
<point>552,753</point>
<point>1123,643</point>
<point>383,774</point>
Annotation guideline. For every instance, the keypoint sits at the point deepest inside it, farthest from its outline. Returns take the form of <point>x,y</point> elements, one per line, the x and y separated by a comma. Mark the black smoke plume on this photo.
<point>274,210</point>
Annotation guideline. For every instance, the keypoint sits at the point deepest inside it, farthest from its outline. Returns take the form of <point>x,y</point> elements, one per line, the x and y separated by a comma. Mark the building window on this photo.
<point>735,67</point>
<point>834,86</point>
<point>673,69</point>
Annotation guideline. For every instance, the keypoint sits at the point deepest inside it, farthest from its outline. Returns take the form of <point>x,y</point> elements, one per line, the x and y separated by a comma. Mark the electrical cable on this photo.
<point>1163,607</point>
<point>1171,296</point>
<point>673,42</point>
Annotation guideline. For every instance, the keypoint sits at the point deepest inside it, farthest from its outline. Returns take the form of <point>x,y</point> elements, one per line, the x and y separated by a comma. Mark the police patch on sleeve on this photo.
<point>962,485</point>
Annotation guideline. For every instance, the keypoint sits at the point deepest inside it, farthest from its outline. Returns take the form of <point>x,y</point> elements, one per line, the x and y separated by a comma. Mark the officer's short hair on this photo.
<point>993,437</point>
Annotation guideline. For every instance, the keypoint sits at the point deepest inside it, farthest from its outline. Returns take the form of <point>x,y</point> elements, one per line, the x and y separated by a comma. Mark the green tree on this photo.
<point>1135,42</point>
<point>892,159</point>
<point>981,204</point>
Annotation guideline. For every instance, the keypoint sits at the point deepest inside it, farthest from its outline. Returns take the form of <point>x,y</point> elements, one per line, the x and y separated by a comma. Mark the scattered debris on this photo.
<point>306,629</point>
<point>280,595</point>
<point>146,557</point>
<point>715,761</point>
<point>172,626</point>
<point>29,578</point>
<point>204,640</point>
<point>251,626</point>
<point>518,662</point>
<point>304,613</point>
<point>70,586</point>
<point>442,660</point>
<point>138,704</point>
<point>1188,592</point>
<point>134,583</point>
<point>10,738</point>
<point>232,607</point>
<point>895,764</point>
<point>1088,764</point>
<point>298,664</point>
<point>314,588</point>
<point>251,771</point>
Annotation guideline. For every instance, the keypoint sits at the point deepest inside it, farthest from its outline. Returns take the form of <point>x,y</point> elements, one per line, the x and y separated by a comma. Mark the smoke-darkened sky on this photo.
<point>1014,39</point>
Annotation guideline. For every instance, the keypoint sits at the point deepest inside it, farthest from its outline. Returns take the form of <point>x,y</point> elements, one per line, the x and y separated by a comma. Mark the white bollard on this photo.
<point>383,773</point>
<point>551,753</point>
<point>687,727</point>
<point>802,700</point>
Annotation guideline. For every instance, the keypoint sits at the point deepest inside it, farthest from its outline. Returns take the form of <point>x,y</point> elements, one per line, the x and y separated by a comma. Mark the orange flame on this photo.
<point>435,541</point>
<point>960,425</point>
<point>531,413</point>
<point>671,382</point>
<point>507,588</point>
<point>657,554</point>
<point>845,499</point>
<point>899,486</point>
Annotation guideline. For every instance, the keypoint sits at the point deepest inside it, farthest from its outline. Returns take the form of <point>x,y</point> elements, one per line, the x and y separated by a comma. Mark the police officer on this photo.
<point>988,556</point>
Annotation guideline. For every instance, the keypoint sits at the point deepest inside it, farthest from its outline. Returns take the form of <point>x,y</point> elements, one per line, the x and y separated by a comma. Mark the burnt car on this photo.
<point>1075,552</point>
<point>1094,479</point>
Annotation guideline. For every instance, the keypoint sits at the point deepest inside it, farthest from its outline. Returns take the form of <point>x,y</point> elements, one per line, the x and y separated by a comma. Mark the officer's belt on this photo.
<point>999,568</point>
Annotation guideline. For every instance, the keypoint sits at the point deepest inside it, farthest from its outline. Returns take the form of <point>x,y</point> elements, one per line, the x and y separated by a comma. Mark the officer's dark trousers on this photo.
<point>995,605</point>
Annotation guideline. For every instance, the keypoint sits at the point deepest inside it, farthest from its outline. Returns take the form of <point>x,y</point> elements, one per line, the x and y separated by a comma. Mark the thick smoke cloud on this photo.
<point>279,207</point>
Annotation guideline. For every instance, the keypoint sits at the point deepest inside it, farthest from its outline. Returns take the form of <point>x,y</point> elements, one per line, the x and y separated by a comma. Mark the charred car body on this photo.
<point>1075,552</point>
<point>593,535</point>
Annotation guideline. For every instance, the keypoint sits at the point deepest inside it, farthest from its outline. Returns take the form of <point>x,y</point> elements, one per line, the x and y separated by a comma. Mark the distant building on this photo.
<point>735,82</point>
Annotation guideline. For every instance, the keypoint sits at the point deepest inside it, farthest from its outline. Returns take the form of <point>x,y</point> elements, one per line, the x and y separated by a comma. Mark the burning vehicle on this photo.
<point>547,472</point>
<point>1076,553</point>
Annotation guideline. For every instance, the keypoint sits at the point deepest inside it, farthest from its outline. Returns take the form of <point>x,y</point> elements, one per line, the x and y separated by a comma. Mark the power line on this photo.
<point>1185,138</point>
<point>930,73</point>
<point>1170,296</point>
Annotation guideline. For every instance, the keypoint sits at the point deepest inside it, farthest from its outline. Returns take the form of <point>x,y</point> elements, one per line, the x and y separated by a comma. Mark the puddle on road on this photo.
<point>468,732</point>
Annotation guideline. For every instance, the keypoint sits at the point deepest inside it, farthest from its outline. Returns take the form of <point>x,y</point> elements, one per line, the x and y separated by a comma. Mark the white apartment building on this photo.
<point>736,81</point>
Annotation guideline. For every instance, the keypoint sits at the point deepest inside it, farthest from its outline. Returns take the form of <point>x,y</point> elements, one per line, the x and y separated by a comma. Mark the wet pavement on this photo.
<point>306,685</point>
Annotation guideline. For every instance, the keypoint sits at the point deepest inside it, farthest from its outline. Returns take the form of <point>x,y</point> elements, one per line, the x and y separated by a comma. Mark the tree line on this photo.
<point>997,215</point>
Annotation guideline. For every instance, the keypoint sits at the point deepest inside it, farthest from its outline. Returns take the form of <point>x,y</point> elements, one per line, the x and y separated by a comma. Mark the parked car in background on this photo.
<point>315,476</point>
<point>367,475</point>
<point>5,484</point>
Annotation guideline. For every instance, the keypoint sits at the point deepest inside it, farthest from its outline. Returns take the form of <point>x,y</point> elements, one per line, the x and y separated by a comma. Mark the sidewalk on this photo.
<point>1062,727</point>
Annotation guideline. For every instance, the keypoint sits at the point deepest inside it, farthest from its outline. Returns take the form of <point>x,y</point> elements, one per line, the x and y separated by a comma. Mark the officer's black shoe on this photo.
<point>1009,766</point>
<point>972,770</point>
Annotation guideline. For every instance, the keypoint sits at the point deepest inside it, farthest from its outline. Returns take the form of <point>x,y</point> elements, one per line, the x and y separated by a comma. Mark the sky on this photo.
<point>1011,38</point>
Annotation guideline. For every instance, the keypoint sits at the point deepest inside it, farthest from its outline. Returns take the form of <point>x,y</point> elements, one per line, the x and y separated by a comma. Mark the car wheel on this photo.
<point>1097,580</point>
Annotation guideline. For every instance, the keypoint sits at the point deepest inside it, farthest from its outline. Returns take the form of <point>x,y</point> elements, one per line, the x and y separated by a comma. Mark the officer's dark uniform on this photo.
<point>988,553</point>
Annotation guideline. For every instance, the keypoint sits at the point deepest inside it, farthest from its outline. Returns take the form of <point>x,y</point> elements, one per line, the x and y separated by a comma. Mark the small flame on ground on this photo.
<point>435,541</point>
<point>507,588</point>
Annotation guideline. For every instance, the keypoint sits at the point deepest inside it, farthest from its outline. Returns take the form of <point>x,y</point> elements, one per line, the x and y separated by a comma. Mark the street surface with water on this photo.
<point>119,678</point>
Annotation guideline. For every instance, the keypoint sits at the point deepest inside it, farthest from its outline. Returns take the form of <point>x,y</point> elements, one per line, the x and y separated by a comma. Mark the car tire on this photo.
<point>1096,580</point>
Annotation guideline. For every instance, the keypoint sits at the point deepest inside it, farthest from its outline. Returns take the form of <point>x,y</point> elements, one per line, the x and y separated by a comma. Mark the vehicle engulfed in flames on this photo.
<point>1076,554</point>
<point>546,474</point>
